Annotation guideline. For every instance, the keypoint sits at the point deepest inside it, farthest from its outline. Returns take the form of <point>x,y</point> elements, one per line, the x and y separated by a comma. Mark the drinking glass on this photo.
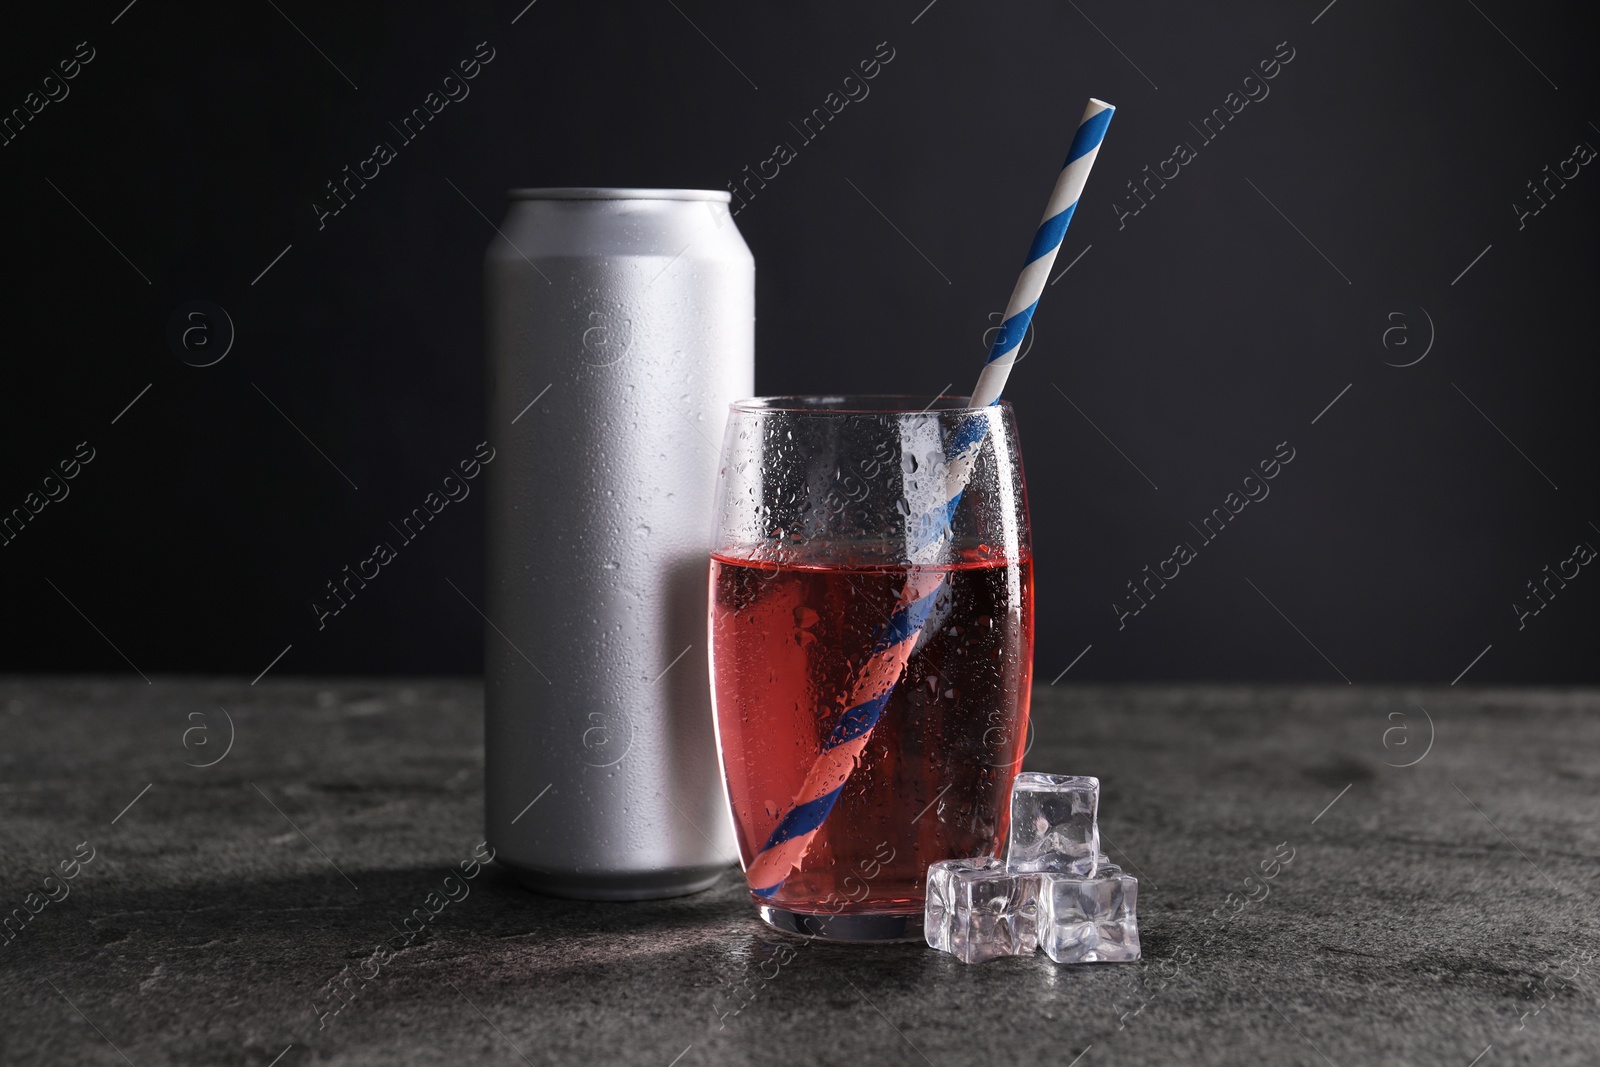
<point>871,635</point>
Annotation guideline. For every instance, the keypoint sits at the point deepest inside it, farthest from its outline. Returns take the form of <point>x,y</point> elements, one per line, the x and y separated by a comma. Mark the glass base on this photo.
<point>846,928</point>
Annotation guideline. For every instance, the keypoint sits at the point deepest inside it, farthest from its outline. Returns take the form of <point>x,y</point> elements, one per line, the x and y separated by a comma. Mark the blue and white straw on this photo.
<point>789,840</point>
<point>1042,253</point>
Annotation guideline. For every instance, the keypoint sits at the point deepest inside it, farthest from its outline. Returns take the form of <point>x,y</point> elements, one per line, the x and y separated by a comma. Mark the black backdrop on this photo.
<point>1313,243</point>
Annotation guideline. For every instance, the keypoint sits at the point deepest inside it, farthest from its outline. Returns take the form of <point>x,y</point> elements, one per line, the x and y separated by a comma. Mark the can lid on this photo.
<point>578,193</point>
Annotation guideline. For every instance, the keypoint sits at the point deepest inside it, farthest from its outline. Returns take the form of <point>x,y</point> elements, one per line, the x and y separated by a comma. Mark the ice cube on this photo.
<point>1053,824</point>
<point>1089,919</point>
<point>977,910</point>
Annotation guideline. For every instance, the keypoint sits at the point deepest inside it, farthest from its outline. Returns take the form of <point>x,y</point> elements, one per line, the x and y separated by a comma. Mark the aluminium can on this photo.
<point>620,326</point>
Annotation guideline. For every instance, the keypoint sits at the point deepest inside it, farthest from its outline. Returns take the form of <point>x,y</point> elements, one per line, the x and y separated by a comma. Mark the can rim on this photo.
<point>601,193</point>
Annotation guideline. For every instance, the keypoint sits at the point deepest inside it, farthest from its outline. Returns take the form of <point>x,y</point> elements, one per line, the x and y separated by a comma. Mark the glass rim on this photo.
<point>861,404</point>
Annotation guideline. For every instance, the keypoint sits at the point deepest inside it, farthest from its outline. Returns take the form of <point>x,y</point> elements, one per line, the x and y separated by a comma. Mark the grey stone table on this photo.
<point>1439,913</point>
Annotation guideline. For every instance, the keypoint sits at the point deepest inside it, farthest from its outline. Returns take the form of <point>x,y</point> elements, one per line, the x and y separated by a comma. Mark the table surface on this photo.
<point>1431,914</point>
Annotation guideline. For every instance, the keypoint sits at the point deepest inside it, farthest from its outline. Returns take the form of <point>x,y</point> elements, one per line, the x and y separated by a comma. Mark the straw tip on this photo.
<point>1101,104</point>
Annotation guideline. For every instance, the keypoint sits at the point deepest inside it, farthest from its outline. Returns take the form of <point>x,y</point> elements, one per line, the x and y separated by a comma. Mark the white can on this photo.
<point>621,325</point>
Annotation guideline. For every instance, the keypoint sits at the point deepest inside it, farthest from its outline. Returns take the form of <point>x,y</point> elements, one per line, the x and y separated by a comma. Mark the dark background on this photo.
<point>1197,337</point>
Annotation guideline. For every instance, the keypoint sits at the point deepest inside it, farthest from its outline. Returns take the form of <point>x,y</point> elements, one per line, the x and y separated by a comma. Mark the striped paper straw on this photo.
<point>787,844</point>
<point>1042,253</point>
<point>892,647</point>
